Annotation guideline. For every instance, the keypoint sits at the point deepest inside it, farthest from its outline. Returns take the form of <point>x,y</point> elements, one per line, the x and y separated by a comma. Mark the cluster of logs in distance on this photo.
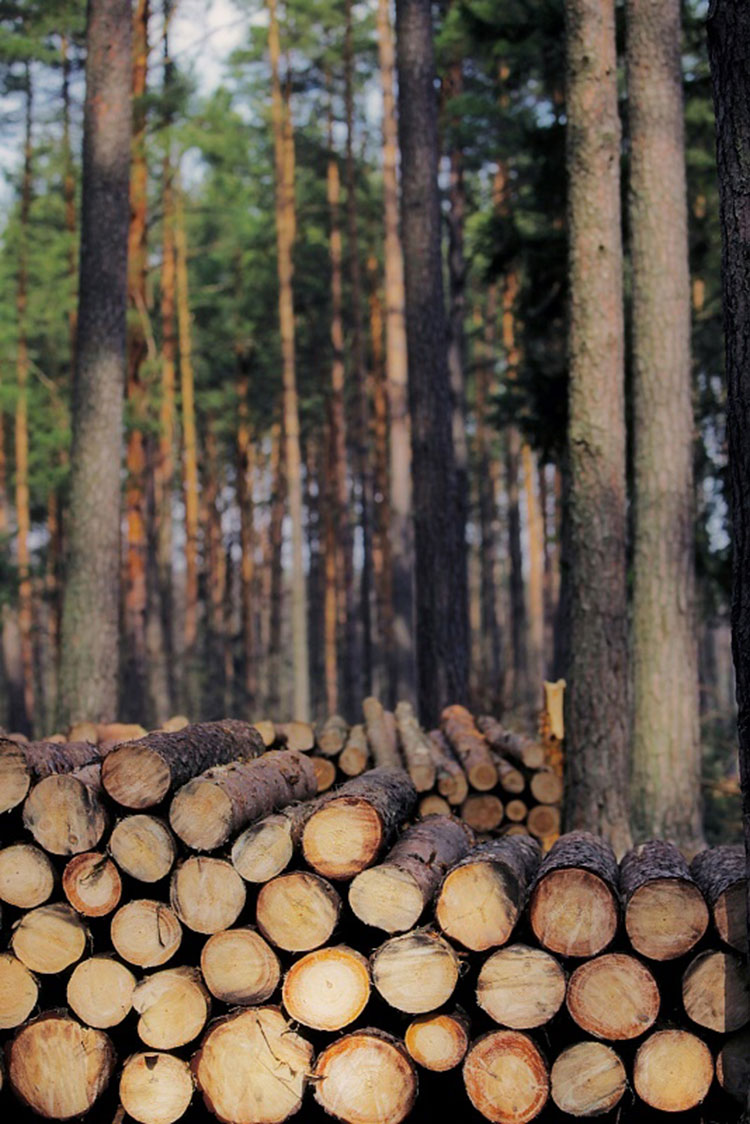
<point>192,928</point>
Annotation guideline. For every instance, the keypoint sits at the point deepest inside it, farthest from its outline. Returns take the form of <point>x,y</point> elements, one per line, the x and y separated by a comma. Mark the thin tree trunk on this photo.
<point>535,521</point>
<point>315,504</point>
<point>215,575</point>
<point>285,233</point>
<point>278,502</point>
<point>597,725</point>
<point>330,555</point>
<point>88,672</point>
<point>396,365</point>
<point>245,480</point>
<point>666,736</point>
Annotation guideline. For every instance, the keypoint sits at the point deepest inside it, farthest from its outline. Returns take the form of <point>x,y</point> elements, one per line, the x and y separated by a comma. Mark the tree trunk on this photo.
<point>275,567</point>
<point>396,367</point>
<point>214,678</point>
<point>535,523</point>
<point>285,232</point>
<point>597,726</point>
<point>88,672</point>
<point>441,595</point>
<point>245,446</point>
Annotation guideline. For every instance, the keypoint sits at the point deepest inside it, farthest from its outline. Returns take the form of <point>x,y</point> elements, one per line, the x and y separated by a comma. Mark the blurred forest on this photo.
<point>260,585</point>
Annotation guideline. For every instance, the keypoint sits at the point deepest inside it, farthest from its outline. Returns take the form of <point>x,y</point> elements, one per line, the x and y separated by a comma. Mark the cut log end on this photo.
<point>173,1006</point>
<point>64,814</point>
<point>27,877</point>
<point>264,850</point>
<point>146,933</point>
<point>328,989</point>
<point>297,912</point>
<point>15,777</point>
<point>416,972</point>
<point>155,1088</point>
<point>665,918</point>
<point>730,916</point>
<point>325,772</point>
<point>614,997</point>
<point>92,884</point>
<point>207,894</point>
<point>19,992</point>
<point>143,847</point>
<point>100,991</point>
<point>342,838</point>
<point>715,991</point>
<point>387,898</point>
<point>482,812</point>
<point>573,912</point>
<point>506,1078</point>
<point>366,1078</point>
<point>673,1071</point>
<point>49,939</point>
<point>201,815</point>
<point>58,1067</point>
<point>521,987</point>
<point>136,776</point>
<point>587,1079</point>
<point>240,967</point>
<point>477,906</point>
<point>438,1042</point>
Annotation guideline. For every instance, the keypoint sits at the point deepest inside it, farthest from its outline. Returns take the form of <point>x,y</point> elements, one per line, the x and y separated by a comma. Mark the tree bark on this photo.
<point>597,724</point>
<point>656,883</point>
<point>720,874</point>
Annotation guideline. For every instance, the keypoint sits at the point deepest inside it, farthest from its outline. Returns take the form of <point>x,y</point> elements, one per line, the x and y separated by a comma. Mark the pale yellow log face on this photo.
<point>665,918</point>
<point>437,1042</point>
<point>136,777</point>
<point>521,987</point>
<point>155,1088</point>
<point>296,912</point>
<point>14,777</point>
<point>264,849</point>
<point>207,894</point>
<point>365,1079</point>
<point>386,898</point>
<point>63,815</point>
<point>26,876</point>
<point>60,1067</point>
<point>100,991</point>
<point>573,913</point>
<point>416,972</point>
<point>18,992</point>
<point>673,1070</point>
<point>475,906</point>
<point>506,1078</point>
<point>327,989</point>
<point>143,847</point>
<point>588,1079</point>
<point>240,967</point>
<point>201,815</point>
<point>173,1006</point>
<point>146,933</point>
<point>342,838</point>
<point>49,939</point>
<point>613,996</point>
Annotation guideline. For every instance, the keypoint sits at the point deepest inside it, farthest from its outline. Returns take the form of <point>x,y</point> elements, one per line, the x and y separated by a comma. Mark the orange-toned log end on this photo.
<point>438,1042</point>
<point>673,1071</point>
<point>614,997</point>
<point>327,989</point>
<point>58,1067</point>
<point>521,987</point>
<point>716,992</point>
<point>252,1068</point>
<point>506,1077</point>
<point>92,884</point>
<point>136,776</point>
<point>343,837</point>
<point>366,1078</point>
<point>733,1066</point>
<point>240,967</point>
<point>325,772</point>
<point>573,912</point>
<point>155,1088</point>
<point>587,1079</point>
<point>482,811</point>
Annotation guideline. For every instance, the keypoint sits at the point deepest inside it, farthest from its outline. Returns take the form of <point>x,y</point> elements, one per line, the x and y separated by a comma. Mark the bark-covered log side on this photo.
<point>520,748</point>
<point>717,869</point>
<point>649,861</point>
<point>581,850</point>
<point>355,755</point>
<point>415,745</point>
<point>380,735</point>
<point>470,746</point>
<point>331,737</point>
<point>24,764</point>
<point>452,782</point>
<point>389,791</point>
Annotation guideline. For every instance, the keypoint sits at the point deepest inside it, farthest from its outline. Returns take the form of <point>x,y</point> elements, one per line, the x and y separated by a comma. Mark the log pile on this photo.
<point>237,945</point>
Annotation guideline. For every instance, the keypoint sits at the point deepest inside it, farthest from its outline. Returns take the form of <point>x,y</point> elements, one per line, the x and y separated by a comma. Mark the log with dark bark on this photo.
<point>27,877</point>
<point>173,1006</point>
<point>297,912</point>
<point>295,735</point>
<point>415,972</point>
<point>327,989</point>
<point>352,824</point>
<point>720,874</point>
<point>24,764</point>
<point>587,1079</point>
<point>673,1071</point>
<point>523,750</point>
<point>521,987</point>
<point>355,755</point>
<point>470,746</point>
<point>221,801</point>
<point>381,735</point>
<point>574,905</point>
<point>438,1042</point>
<point>716,991</point>
<point>331,737</point>
<point>252,1067</point>
<point>496,874</point>
<point>58,1067</point>
<point>665,911</point>
<point>206,894</point>
<point>49,939</point>
<point>100,991</point>
<point>155,1088</point>
<point>366,1076</point>
<point>145,933</point>
<point>733,1066</point>
<point>65,812</point>
<point>240,967</point>
<point>265,848</point>
<point>509,777</point>
<point>394,894</point>
<point>19,992</point>
<point>415,746</point>
<point>506,1077</point>
<point>140,774</point>
<point>92,884</point>
<point>451,779</point>
<point>143,847</point>
<point>614,997</point>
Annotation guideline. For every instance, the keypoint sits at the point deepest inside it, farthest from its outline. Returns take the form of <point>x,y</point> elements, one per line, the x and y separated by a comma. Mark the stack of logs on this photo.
<point>191,929</point>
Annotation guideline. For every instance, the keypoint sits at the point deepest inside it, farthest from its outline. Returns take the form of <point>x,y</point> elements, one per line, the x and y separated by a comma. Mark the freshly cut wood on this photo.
<point>665,911</point>
<point>23,764</point>
<point>613,996</point>
<point>415,972</point>
<point>521,987</point>
<point>511,779</point>
<point>352,825</point>
<point>415,745</point>
<point>58,1067</point>
<point>155,1088</point>
<point>587,1079</point>
<point>546,786</point>
<point>174,1007</point>
<point>19,992</point>
<point>265,848</point>
<point>267,731</point>
<point>733,1066</point>
<point>252,1068</point>
<point>327,989</point>
<point>355,755</point>
<point>240,967</point>
<point>673,1071</point>
<point>297,912</point>
<point>520,748</point>
<point>83,732</point>
<point>296,735</point>
<point>27,877</point>
<point>100,991</point>
<point>381,736</point>
<point>143,847</point>
<point>221,801</point>
<point>325,772</point>
<point>720,874</point>
<point>716,991</point>
<point>114,733</point>
<point>433,805</point>
<point>366,1078</point>
<point>176,722</point>
<point>49,939</point>
<point>451,779</point>
<point>393,895</point>
<point>331,737</point>
<point>515,829</point>
<point>206,894</point>
<point>506,1077</point>
<point>438,1042</point>
<point>92,884</point>
<point>470,746</point>
<point>482,811</point>
<point>145,933</point>
<point>65,812</point>
<point>574,905</point>
<point>543,821</point>
<point>140,774</point>
<point>482,896</point>
<point>516,811</point>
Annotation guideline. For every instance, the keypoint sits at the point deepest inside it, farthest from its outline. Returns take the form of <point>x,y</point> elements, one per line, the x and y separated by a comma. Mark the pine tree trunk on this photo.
<point>88,672</point>
<point>535,524</point>
<point>396,366</point>
<point>275,567</point>
<point>441,601</point>
<point>597,726</point>
<point>245,445</point>
<point>215,576</point>
<point>518,617</point>
<point>666,739</point>
<point>330,587</point>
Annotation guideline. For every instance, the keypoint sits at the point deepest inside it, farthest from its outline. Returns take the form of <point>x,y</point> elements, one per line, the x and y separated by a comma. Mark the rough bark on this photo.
<point>665,912</point>
<point>578,878</point>
<point>720,874</point>
<point>522,749</point>
<point>22,765</point>
<point>470,747</point>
